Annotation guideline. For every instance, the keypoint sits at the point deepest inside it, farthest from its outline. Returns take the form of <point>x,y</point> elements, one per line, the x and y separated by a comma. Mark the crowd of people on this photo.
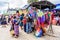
<point>3,20</point>
<point>29,22</point>
<point>34,21</point>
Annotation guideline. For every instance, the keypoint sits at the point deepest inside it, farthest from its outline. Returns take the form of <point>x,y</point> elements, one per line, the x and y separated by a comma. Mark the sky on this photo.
<point>54,1</point>
<point>18,3</point>
<point>13,3</point>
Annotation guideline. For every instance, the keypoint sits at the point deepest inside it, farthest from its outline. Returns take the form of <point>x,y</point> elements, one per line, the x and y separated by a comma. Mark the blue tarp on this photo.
<point>57,7</point>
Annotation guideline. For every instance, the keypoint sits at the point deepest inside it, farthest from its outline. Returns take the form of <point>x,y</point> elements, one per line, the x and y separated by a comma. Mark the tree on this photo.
<point>31,1</point>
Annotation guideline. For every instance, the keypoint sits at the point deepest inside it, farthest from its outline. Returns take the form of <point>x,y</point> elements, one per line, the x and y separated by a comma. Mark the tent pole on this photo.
<point>50,6</point>
<point>40,6</point>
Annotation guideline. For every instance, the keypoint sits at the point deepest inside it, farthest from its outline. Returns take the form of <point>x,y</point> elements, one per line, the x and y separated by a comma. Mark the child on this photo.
<point>21,18</point>
<point>24,24</point>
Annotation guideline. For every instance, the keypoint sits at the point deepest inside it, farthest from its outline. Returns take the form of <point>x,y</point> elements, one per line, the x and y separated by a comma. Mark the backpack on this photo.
<point>21,18</point>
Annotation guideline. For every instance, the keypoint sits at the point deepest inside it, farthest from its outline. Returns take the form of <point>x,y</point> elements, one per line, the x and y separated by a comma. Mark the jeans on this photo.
<point>28,27</point>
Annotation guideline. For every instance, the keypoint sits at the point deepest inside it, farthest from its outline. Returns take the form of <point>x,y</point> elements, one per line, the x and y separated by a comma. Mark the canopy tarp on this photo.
<point>46,9</point>
<point>43,5</point>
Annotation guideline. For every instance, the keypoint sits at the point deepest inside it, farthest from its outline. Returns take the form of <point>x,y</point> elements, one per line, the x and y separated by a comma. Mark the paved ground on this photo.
<point>5,35</point>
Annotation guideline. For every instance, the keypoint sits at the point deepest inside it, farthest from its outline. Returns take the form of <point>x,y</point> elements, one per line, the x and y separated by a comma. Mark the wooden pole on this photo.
<point>40,6</point>
<point>50,24</point>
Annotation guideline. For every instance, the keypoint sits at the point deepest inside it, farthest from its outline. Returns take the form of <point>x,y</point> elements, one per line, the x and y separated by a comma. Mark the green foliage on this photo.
<point>31,1</point>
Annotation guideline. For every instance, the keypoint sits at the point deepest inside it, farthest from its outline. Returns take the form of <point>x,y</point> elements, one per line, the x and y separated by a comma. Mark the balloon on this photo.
<point>30,11</point>
<point>29,8</point>
<point>43,18</point>
<point>54,22</point>
<point>40,14</point>
<point>39,19</point>
<point>30,15</point>
<point>39,34</point>
<point>34,14</point>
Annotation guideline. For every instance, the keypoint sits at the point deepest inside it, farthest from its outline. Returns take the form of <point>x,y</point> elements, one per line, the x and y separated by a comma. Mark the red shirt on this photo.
<point>52,16</point>
<point>24,21</point>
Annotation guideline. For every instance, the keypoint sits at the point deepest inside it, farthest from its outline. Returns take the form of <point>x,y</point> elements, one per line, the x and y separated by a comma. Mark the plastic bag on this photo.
<point>12,32</point>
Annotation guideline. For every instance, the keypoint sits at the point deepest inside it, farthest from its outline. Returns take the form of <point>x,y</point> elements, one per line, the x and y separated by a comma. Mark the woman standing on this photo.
<point>29,25</point>
<point>16,27</point>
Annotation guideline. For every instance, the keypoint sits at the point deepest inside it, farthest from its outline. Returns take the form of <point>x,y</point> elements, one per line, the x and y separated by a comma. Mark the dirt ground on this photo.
<point>5,34</point>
